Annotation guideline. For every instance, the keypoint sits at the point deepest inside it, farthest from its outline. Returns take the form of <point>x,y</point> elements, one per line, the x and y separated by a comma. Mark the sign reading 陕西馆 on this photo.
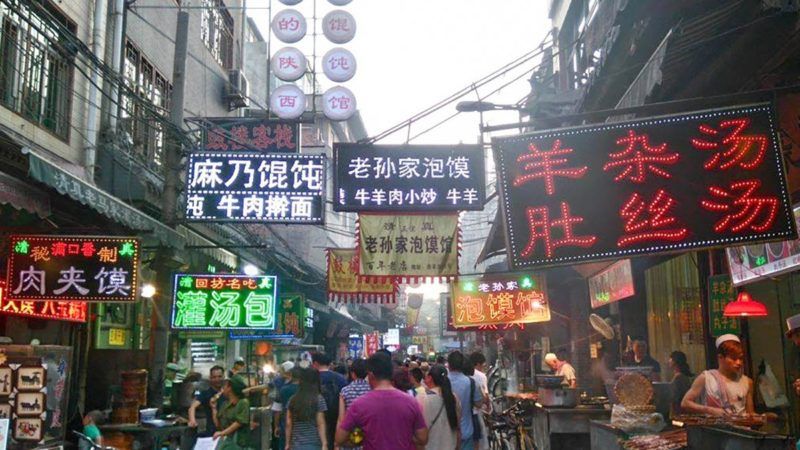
<point>720,293</point>
<point>72,268</point>
<point>256,187</point>
<point>499,299</point>
<point>664,184</point>
<point>212,302</point>
<point>237,134</point>
<point>290,324</point>
<point>397,178</point>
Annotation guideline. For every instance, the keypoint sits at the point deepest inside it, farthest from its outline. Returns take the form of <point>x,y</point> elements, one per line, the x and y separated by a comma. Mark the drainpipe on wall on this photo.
<point>98,39</point>
<point>116,60</point>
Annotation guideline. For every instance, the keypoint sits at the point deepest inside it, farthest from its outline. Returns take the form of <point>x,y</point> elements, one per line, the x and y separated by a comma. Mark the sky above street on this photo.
<point>413,53</point>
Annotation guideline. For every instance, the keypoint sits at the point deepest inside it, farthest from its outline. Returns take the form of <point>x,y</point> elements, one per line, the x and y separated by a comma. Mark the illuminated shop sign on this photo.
<point>226,134</point>
<point>665,184</point>
<point>612,284</point>
<point>290,324</point>
<point>499,299</point>
<point>50,310</point>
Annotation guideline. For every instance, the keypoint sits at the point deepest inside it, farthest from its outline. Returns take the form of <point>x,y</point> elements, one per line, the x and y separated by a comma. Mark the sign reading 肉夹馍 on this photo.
<point>50,310</point>
<point>290,323</point>
<point>256,187</point>
<point>665,184</point>
<point>612,284</point>
<point>408,178</point>
<point>720,293</point>
<point>209,301</point>
<point>73,268</point>
<point>226,134</point>
<point>499,299</point>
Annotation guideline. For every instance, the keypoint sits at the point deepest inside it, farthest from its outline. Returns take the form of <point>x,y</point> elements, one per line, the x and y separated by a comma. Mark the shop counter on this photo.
<point>740,438</point>
<point>606,436</point>
<point>565,428</point>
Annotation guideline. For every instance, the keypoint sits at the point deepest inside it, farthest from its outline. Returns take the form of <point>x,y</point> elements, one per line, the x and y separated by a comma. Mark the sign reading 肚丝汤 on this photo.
<point>72,268</point>
<point>290,323</point>
<point>211,301</point>
<point>256,187</point>
<point>664,184</point>
<point>396,178</point>
<point>499,299</point>
<point>410,247</point>
<point>344,284</point>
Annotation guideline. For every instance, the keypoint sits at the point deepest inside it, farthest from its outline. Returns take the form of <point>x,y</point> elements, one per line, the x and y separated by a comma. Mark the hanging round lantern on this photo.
<point>339,65</point>
<point>414,301</point>
<point>262,348</point>
<point>289,26</point>
<point>290,2</point>
<point>339,26</point>
<point>288,64</point>
<point>288,102</point>
<point>338,103</point>
<point>339,2</point>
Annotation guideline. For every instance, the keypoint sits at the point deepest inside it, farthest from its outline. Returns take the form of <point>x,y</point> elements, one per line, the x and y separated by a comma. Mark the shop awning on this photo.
<point>23,196</point>
<point>338,315</point>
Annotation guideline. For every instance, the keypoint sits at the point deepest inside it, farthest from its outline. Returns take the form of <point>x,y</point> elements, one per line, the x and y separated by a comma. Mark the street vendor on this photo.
<point>562,368</point>
<point>793,333</point>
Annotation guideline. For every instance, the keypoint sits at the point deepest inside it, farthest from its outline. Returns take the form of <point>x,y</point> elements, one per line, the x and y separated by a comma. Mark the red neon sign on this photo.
<point>50,310</point>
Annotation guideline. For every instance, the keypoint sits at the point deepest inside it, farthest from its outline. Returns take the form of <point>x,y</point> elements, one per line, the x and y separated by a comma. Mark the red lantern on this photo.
<point>745,306</point>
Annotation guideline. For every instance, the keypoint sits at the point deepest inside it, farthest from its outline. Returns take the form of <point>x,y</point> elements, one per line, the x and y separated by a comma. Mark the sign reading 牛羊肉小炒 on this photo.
<point>408,177</point>
<point>235,134</point>
<point>210,302</point>
<point>73,268</point>
<point>290,324</point>
<point>498,299</point>
<point>256,187</point>
<point>664,184</point>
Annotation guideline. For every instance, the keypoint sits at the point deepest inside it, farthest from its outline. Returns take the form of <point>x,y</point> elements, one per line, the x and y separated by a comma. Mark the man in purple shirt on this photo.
<point>389,418</point>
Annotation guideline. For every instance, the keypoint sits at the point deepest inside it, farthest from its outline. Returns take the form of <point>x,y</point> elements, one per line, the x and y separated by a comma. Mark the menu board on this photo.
<point>612,284</point>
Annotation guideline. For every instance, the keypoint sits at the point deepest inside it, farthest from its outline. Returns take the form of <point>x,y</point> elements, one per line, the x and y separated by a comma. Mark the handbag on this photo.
<point>476,422</point>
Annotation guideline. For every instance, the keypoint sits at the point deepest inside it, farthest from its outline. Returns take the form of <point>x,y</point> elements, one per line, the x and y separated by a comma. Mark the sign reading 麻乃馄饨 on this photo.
<point>290,323</point>
<point>211,301</point>
<point>720,293</point>
<point>73,268</point>
<point>499,299</point>
<point>345,285</point>
<point>663,184</point>
<point>236,134</point>
<point>410,247</point>
<point>408,177</point>
<point>51,310</point>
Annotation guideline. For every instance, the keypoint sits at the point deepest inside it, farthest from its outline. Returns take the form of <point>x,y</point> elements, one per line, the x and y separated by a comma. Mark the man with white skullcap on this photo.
<point>562,368</point>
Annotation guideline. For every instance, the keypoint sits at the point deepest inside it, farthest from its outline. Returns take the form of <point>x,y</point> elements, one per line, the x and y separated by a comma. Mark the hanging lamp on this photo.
<point>744,306</point>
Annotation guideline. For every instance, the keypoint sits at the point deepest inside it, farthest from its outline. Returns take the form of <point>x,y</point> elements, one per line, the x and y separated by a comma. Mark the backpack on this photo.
<point>330,392</point>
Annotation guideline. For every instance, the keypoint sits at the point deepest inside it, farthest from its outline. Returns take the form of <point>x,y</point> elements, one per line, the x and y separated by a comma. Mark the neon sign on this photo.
<point>499,300</point>
<point>50,310</point>
<point>290,323</point>
<point>612,284</point>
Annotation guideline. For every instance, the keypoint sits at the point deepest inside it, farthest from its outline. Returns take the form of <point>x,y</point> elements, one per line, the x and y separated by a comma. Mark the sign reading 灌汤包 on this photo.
<point>344,284</point>
<point>408,177</point>
<point>256,187</point>
<point>720,293</point>
<point>229,134</point>
<point>72,268</point>
<point>408,247</point>
<point>664,184</point>
<point>48,310</point>
<point>499,299</point>
<point>612,284</point>
<point>210,301</point>
<point>290,323</point>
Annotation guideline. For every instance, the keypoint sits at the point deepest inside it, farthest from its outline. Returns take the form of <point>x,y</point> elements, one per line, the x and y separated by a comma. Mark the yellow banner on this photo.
<point>345,285</point>
<point>409,247</point>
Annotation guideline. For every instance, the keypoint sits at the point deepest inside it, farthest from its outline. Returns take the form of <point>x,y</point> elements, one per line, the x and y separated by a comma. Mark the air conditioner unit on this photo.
<point>236,91</point>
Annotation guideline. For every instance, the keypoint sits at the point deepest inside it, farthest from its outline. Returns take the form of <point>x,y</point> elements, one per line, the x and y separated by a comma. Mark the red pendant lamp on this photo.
<point>745,306</point>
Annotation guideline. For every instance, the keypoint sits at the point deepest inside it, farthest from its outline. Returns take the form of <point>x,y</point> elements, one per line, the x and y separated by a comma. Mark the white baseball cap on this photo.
<point>287,366</point>
<point>550,357</point>
<point>726,338</point>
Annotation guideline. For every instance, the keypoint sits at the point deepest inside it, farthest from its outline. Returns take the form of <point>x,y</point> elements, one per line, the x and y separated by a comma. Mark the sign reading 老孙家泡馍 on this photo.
<point>49,310</point>
<point>210,301</point>
<point>720,293</point>
<point>408,177</point>
<point>290,324</point>
<point>256,187</point>
<point>663,184</point>
<point>612,284</point>
<point>237,134</point>
<point>499,299</point>
<point>73,268</point>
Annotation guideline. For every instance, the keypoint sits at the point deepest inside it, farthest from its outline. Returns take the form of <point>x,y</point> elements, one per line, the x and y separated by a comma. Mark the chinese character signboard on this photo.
<point>720,293</point>
<point>372,343</point>
<point>228,134</point>
<point>66,311</point>
<point>408,178</point>
<point>208,301</point>
<point>290,324</point>
<point>612,284</point>
<point>499,299</point>
<point>344,284</point>
<point>73,268</point>
<point>665,184</point>
<point>410,247</point>
<point>256,187</point>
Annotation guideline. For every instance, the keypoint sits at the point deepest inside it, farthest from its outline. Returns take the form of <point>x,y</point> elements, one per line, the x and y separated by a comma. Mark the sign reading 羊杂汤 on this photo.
<point>664,184</point>
<point>344,284</point>
<point>73,268</point>
<point>211,301</point>
<point>408,177</point>
<point>720,293</point>
<point>229,134</point>
<point>49,310</point>
<point>409,247</point>
<point>499,299</point>
<point>290,323</point>
<point>256,187</point>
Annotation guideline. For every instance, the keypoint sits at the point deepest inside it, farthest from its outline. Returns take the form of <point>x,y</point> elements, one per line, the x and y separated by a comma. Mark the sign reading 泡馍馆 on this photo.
<point>664,184</point>
<point>256,187</point>
<point>227,134</point>
<point>499,299</point>
<point>408,177</point>
<point>73,268</point>
<point>210,301</point>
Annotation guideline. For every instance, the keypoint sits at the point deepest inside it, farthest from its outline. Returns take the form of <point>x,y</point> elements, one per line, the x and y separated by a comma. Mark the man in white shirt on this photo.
<point>479,363</point>
<point>562,368</point>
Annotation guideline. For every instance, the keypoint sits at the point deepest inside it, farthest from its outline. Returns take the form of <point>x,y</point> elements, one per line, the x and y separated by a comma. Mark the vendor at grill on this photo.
<point>562,368</point>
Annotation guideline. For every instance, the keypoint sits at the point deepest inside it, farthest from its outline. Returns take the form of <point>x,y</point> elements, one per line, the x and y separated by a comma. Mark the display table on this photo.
<point>606,436</point>
<point>740,438</point>
<point>151,437</point>
<point>565,428</point>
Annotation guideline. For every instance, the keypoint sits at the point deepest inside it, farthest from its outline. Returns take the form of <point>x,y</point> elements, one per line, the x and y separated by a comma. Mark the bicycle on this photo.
<point>508,430</point>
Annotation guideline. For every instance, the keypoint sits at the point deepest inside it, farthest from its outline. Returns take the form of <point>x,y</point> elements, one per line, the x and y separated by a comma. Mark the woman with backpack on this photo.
<point>442,411</point>
<point>305,417</point>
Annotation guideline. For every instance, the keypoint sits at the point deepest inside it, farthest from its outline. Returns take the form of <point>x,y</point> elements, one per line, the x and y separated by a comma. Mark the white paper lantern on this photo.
<point>414,301</point>
<point>288,102</point>
<point>338,103</point>
<point>339,65</point>
<point>288,64</point>
<point>340,2</point>
<point>339,26</point>
<point>289,26</point>
<point>290,2</point>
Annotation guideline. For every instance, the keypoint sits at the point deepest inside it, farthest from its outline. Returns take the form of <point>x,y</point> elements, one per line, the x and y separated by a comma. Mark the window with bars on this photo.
<point>35,69</point>
<point>141,113</point>
<point>216,30</point>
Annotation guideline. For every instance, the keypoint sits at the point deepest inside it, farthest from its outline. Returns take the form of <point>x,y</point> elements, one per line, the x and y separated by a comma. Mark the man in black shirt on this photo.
<point>203,399</point>
<point>640,357</point>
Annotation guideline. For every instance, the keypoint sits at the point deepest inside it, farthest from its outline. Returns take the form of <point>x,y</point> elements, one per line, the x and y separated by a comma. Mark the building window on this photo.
<point>143,114</point>
<point>216,30</point>
<point>35,69</point>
